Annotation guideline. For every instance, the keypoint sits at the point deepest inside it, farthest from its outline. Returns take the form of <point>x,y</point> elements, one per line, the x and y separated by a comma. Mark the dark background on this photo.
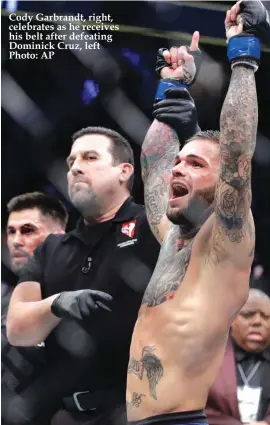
<point>45,101</point>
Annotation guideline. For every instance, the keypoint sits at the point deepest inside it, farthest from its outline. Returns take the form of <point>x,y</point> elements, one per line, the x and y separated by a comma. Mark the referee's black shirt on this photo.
<point>117,257</point>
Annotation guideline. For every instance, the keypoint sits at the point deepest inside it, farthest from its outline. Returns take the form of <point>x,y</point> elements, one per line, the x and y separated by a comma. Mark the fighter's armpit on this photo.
<point>220,248</point>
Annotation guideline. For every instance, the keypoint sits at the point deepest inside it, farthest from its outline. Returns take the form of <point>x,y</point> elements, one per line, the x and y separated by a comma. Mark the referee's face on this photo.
<point>94,182</point>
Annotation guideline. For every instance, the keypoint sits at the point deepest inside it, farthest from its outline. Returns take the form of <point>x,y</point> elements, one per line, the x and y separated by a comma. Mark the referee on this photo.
<point>81,292</point>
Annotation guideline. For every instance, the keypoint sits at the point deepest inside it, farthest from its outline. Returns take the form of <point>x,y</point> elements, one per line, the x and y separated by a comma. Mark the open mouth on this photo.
<point>255,336</point>
<point>178,191</point>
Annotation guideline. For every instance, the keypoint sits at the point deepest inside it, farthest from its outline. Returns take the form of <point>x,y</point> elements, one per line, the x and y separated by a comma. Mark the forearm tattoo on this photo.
<point>159,150</point>
<point>152,366</point>
<point>238,127</point>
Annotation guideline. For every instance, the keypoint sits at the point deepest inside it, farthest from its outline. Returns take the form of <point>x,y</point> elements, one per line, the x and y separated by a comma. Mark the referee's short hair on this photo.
<point>120,148</point>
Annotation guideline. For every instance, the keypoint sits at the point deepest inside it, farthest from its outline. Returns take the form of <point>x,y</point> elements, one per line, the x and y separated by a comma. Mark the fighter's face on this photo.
<point>93,178</point>
<point>26,229</point>
<point>251,328</point>
<point>194,178</point>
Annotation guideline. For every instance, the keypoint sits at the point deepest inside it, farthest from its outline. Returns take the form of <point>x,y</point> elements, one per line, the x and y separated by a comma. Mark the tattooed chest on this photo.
<point>169,273</point>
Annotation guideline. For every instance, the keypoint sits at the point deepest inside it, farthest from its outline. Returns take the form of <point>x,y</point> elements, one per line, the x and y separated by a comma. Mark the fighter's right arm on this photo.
<point>29,319</point>
<point>176,119</point>
<point>159,150</point>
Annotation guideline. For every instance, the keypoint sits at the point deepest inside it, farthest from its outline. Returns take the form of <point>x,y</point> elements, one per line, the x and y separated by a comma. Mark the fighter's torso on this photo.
<point>181,331</point>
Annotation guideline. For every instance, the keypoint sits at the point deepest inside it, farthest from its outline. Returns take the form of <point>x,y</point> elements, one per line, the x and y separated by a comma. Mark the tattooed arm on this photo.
<point>159,150</point>
<point>233,235</point>
<point>161,144</point>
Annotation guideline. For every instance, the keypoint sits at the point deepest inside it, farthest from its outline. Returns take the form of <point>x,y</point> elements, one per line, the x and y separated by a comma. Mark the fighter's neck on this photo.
<point>188,230</point>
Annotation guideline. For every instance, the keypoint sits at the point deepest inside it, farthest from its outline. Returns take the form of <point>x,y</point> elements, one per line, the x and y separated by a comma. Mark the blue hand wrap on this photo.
<point>167,84</point>
<point>239,47</point>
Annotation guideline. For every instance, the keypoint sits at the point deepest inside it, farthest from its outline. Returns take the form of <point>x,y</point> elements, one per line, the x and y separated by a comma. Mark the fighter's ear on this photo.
<point>126,171</point>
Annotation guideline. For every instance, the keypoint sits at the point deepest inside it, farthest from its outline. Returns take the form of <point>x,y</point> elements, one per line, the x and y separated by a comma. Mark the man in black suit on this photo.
<point>241,391</point>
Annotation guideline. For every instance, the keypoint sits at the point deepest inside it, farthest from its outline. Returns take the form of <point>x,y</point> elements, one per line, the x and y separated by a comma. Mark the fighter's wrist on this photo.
<point>165,84</point>
<point>244,50</point>
<point>245,62</point>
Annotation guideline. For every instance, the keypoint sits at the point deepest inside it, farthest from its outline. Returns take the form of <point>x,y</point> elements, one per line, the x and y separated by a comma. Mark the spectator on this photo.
<point>241,391</point>
<point>63,292</point>
<point>32,217</point>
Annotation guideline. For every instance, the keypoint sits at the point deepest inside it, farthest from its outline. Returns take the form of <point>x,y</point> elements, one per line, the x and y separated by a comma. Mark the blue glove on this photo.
<point>245,47</point>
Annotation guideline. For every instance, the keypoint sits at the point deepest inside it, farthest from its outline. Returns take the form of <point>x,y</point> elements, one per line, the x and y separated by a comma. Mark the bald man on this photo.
<point>241,392</point>
<point>251,328</point>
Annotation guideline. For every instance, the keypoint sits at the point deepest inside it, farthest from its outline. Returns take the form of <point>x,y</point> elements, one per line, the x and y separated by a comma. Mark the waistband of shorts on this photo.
<point>193,417</point>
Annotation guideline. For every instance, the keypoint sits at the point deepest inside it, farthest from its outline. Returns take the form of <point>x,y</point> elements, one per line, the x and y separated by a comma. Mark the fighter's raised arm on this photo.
<point>233,232</point>
<point>176,121</point>
<point>204,262</point>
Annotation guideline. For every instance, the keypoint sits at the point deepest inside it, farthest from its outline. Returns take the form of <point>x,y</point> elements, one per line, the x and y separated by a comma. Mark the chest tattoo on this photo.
<point>170,270</point>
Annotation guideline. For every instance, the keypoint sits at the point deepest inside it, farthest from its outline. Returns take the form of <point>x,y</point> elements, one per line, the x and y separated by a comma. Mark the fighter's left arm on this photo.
<point>233,232</point>
<point>233,235</point>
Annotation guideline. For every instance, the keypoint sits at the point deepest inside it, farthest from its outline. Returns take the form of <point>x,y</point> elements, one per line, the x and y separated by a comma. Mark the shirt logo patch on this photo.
<point>129,228</point>
<point>127,243</point>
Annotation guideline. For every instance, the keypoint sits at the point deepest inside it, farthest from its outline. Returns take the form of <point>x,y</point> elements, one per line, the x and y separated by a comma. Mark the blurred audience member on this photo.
<point>241,391</point>
<point>32,217</point>
<point>260,280</point>
<point>81,292</point>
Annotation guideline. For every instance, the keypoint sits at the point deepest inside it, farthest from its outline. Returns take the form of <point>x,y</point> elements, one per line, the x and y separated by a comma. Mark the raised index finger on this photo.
<point>194,45</point>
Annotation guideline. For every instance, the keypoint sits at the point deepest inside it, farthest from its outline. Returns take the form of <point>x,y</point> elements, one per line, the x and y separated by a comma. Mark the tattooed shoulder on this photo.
<point>170,270</point>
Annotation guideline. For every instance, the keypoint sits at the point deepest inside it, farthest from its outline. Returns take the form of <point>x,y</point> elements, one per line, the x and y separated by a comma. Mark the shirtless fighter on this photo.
<point>198,203</point>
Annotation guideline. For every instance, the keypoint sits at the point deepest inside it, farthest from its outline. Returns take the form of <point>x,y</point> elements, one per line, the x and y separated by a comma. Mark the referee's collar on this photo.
<point>128,210</point>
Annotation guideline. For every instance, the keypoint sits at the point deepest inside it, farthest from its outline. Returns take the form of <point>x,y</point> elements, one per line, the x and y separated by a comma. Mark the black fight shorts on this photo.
<point>194,417</point>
